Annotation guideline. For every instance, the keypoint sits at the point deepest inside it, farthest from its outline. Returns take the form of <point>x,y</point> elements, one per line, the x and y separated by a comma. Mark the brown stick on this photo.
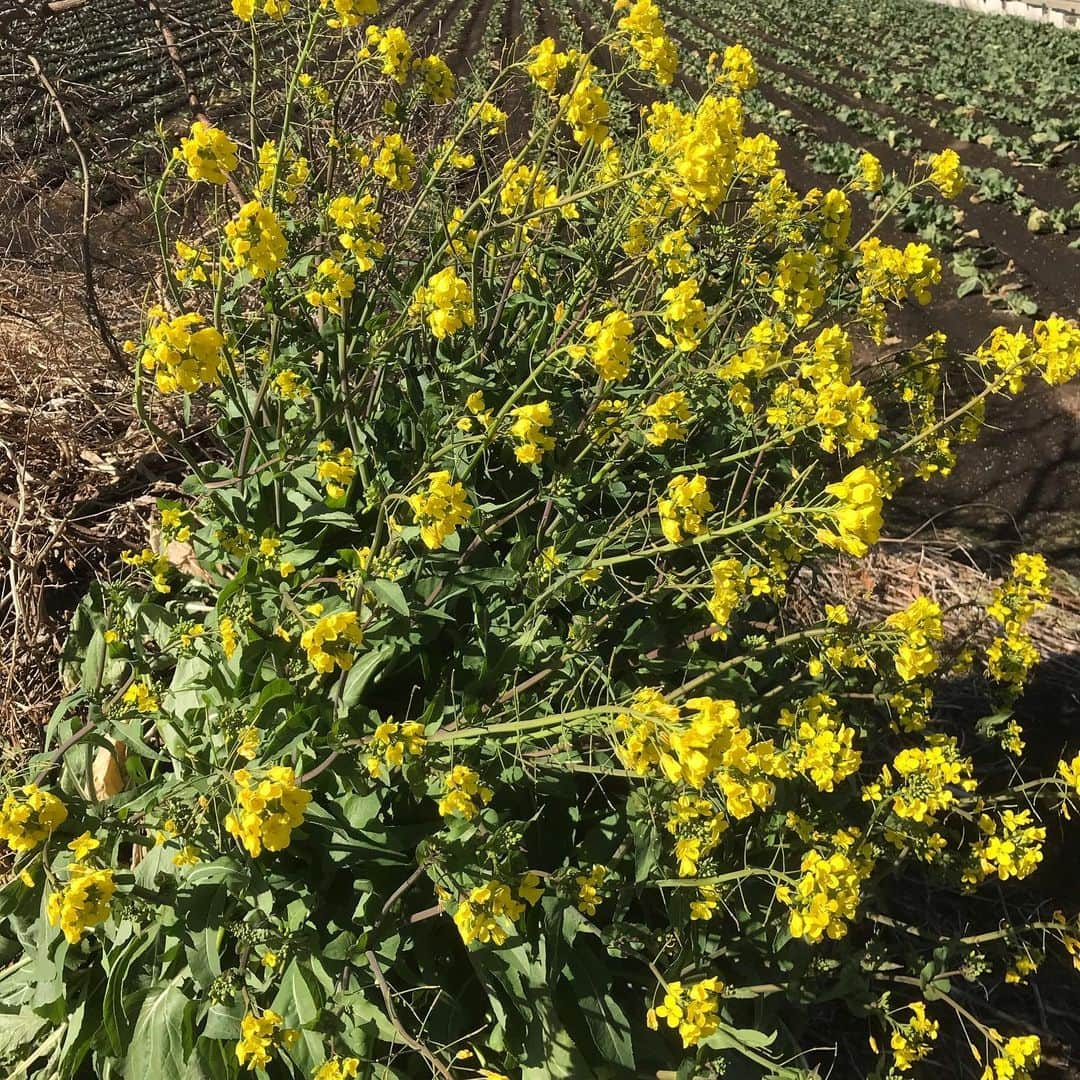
<point>391,1012</point>
<point>93,308</point>
<point>195,104</point>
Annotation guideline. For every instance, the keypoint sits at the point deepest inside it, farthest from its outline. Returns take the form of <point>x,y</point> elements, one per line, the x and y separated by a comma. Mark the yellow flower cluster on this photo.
<point>327,641</point>
<point>140,695</point>
<point>269,808</point>
<point>488,116</point>
<point>682,510</point>
<point>913,1041</point>
<point>1011,655</point>
<point>946,173</point>
<point>394,161</point>
<point>528,431</point>
<point>182,352</point>
<point>391,742</point>
<point>209,153</point>
<point>288,386</point>
<point>270,161</point>
<point>350,13</point>
<point>669,413</point>
<point>438,80</point>
<point>155,563</point>
<point>338,1068</point>
<point>588,888</point>
<point>857,518</point>
<point>191,264</point>
<point>84,902</point>
<point>728,591</point>
<point>708,745</point>
<point>585,110</point>
<point>463,793</point>
<point>887,273</point>
<point>920,623</point>
<point>684,316</point>
<point>798,285</point>
<point>392,45</point>
<point>525,188</point>
<point>30,816</point>
<point>825,898</point>
<point>1010,847</point>
<point>334,469</point>
<point>255,239</point>
<point>697,151</point>
<point>440,509</point>
<point>870,176</point>
<point>332,287</point>
<point>697,826</point>
<point>611,346</point>
<point>259,1036</point>
<point>447,302</point>
<point>484,915</point>
<point>1018,1059</point>
<point>649,39</point>
<point>738,69</point>
<point>272,9</point>
<point>544,63</point>
<point>929,780</point>
<point>822,749</point>
<point>359,223</point>
<point>692,1009</point>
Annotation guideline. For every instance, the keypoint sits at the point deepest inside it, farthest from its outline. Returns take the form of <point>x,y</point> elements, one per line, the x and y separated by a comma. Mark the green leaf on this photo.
<point>162,1040</point>
<point>390,595</point>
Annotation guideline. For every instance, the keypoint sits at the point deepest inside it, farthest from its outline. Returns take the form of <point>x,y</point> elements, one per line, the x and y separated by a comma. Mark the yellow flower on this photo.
<point>528,429</point>
<point>682,511</point>
<point>858,516</point>
<point>255,239</point>
<point>333,286</point>
<point>182,352</point>
<point>447,302</point>
<point>870,176</point>
<point>648,38</point>
<point>544,64</point>
<point>268,808</point>
<point>1018,1058</point>
<point>946,173</point>
<point>738,69</point>
<point>392,45</point>
<point>824,900</point>
<point>327,642</point>
<point>670,414</point>
<point>350,13</point>
<point>83,845</point>
<point>913,1041</point>
<point>394,161</point>
<point>611,345</point>
<point>463,792</point>
<point>30,816</point>
<point>588,887</point>
<point>83,903</point>
<point>209,153</point>
<point>692,1009</point>
<point>920,623</point>
<point>440,509</point>
<point>585,110</point>
<point>259,1036</point>
<point>438,79</point>
<point>338,1068</point>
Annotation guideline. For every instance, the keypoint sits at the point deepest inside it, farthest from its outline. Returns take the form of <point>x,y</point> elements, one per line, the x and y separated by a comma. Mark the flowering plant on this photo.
<point>463,729</point>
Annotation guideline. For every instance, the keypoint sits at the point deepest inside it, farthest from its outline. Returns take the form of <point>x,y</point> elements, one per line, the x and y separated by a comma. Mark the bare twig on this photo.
<point>93,308</point>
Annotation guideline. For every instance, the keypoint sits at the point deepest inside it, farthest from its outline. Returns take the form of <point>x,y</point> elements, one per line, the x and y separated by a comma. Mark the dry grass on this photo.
<point>78,479</point>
